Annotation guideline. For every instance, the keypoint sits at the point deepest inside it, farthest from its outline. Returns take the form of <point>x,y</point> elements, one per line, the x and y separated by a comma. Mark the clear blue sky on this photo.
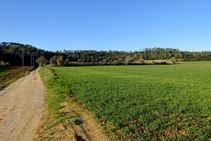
<point>124,25</point>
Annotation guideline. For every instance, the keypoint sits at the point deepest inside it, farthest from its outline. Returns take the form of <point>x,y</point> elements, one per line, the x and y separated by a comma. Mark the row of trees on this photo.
<point>11,52</point>
<point>54,61</point>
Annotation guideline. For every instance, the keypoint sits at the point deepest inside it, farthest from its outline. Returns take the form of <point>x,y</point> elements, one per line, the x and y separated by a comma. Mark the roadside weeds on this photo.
<point>63,119</point>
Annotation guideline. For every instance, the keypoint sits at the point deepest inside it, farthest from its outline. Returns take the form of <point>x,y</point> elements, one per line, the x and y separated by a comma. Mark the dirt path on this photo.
<point>21,108</point>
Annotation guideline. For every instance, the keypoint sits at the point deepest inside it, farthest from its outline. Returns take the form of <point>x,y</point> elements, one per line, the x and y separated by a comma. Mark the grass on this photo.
<point>56,91</point>
<point>4,74</point>
<point>3,85</point>
<point>74,121</point>
<point>6,68</point>
<point>9,71</point>
<point>56,94</point>
<point>155,102</point>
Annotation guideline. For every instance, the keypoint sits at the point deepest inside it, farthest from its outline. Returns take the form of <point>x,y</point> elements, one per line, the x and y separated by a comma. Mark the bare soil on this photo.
<point>21,108</point>
<point>16,73</point>
<point>87,129</point>
<point>9,68</point>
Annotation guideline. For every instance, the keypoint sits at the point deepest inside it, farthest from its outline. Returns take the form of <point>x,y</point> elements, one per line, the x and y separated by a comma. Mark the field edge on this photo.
<point>2,86</point>
<point>63,119</point>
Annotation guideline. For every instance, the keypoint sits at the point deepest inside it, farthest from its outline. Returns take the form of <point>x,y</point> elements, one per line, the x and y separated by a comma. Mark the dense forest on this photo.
<point>12,53</point>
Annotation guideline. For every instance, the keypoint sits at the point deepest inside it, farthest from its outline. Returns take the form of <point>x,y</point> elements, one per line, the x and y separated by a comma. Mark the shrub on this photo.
<point>41,61</point>
<point>127,60</point>
<point>60,61</point>
<point>53,60</point>
<point>66,61</point>
<point>115,62</point>
<point>141,61</point>
<point>172,60</point>
<point>119,60</point>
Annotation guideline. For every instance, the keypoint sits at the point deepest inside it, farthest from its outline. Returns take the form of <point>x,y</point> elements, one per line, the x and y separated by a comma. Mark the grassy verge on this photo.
<point>64,118</point>
<point>56,89</point>
<point>56,94</point>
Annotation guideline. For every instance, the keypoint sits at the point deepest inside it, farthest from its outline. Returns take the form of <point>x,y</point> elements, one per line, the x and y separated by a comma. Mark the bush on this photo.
<point>41,61</point>
<point>66,61</point>
<point>119,60</point>
<point>53,60</point>
<point>172,60</point>
<point>141,61</point>
<point>60,61</point>
<point>115,62</point>
<point>127,60</point>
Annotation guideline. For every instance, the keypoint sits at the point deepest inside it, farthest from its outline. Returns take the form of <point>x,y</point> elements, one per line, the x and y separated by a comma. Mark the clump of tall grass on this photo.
<point>172,60</point>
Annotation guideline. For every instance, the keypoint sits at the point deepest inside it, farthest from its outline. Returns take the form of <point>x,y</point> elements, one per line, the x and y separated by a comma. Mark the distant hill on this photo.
<point>12,53</point>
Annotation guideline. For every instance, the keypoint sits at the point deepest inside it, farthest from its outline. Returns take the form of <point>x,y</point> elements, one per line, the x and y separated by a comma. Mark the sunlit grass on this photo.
<point>149,102</point>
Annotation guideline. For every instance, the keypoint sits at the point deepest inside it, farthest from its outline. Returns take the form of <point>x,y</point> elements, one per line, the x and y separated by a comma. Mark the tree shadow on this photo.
<point>79,138</point>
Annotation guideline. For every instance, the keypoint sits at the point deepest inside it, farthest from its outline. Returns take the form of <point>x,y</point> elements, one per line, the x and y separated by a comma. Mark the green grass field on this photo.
<point>150,102</point>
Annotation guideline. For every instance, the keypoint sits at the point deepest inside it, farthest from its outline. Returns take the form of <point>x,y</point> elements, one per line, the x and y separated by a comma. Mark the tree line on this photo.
<point>12,53</point>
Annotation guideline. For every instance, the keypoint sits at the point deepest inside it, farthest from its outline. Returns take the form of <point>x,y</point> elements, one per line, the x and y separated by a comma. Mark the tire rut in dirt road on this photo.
<point>21,108</point>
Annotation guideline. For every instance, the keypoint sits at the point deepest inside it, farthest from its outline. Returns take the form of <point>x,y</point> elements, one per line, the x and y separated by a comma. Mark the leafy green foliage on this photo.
<point>11,53</point>
<point>147,102</point>
<point>41,61</point>
<point>53,60</point>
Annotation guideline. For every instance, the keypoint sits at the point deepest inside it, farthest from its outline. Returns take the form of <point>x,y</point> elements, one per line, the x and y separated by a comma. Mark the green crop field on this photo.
<point>146,102</point>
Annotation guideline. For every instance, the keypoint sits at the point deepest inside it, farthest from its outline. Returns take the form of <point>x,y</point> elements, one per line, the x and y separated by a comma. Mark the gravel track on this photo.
<point>21,108</point>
